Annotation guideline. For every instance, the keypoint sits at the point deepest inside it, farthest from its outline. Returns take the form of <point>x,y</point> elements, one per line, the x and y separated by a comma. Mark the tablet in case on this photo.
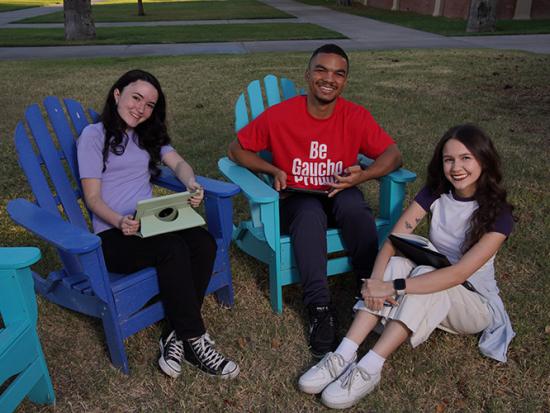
<point>166,214</point>
<point>412,247</point>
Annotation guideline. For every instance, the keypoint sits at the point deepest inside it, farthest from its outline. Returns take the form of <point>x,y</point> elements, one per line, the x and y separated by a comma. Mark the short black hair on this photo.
<point>329,48</point>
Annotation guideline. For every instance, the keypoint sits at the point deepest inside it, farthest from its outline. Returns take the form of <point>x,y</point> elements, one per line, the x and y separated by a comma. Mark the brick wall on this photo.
<point>505,9</point>
<point>381,4</point>
<point>540,9</point>
<point>459,9</point>
<point>456,9</point>
<point>417,6</point>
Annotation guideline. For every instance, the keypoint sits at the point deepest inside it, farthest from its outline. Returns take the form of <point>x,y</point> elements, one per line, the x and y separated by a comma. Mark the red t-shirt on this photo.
<point>311,150</point>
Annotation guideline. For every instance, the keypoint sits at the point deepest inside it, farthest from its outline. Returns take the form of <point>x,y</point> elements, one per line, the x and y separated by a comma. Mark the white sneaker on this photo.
<point>323,373</point>
<point>351,387</point>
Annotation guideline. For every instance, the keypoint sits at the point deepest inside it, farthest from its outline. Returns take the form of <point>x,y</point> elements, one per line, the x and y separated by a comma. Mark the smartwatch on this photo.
<point>399,285</point>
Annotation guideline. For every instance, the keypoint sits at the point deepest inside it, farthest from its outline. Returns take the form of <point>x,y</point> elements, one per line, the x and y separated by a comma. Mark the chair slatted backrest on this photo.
<point>253,100</point>
<point>68,197</point>
<point>31,163</point>
<point>64,134</point>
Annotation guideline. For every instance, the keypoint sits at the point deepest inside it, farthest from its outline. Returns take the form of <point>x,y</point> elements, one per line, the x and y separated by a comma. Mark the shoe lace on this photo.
<point>334,363</point>
<point>318,318</point>
<point>207,353</point>
<point>351,376</point>
<point>175,348</point>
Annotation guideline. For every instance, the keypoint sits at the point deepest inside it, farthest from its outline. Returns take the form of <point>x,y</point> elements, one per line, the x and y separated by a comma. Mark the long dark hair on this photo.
<point>152,134</point>
<point>490,194</point>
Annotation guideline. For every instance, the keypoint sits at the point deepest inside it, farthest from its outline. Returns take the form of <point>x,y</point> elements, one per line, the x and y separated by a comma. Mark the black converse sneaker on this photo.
<point>200,352</point>
<point>323,327</point>
<point>171,354</point>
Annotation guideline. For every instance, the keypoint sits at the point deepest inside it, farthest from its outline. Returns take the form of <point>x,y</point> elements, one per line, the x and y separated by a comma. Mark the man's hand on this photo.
<point>279,180</point>
<point>352,176</point>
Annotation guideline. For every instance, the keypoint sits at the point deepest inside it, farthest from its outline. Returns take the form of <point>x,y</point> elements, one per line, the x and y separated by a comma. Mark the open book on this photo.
<point>166,214</point>
<point>418,249</point>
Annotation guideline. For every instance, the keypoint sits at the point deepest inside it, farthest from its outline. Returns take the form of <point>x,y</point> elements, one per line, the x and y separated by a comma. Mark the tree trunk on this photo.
<point>141,10</point>
<point>482,16</point>
<point>345,3</point>
<point>79,23</point>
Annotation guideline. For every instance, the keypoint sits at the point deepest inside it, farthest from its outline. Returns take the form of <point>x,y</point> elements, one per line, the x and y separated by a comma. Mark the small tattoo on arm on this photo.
<point>418,220</point>
<point>408,225</point>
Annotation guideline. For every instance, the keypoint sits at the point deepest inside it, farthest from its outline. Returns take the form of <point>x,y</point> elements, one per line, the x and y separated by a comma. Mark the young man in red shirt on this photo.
<point>315,140</point>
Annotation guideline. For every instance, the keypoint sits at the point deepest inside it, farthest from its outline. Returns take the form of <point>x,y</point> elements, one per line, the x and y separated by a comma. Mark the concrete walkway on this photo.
<point>363,34</point>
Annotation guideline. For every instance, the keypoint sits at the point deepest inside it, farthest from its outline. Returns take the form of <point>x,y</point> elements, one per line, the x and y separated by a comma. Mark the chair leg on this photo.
<point>115,340</point>
<point>42,392</point>
<point>225,296</point>
<point>275,288</point>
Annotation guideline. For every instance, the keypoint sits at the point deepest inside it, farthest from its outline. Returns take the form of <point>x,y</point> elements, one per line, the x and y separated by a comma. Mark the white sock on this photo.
<point>347,349</point>
<point>372,362</point>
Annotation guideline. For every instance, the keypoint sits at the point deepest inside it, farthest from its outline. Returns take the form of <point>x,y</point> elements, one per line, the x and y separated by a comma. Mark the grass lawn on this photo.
<point>416,96</point>
<point>10,5</point>
<point>171,34</point>
<point>440,25</point>
<point>175,10</point>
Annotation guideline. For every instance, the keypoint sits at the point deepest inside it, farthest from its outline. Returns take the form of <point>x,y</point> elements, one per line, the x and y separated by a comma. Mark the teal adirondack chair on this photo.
<point>21,354</point>
<point>260,235</point>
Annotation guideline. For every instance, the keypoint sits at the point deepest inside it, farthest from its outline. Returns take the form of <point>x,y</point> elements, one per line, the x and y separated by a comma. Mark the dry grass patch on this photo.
<point>416,96</point>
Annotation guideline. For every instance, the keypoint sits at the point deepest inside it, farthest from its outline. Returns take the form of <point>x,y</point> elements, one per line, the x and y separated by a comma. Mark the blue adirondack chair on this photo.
<point>83,284</point>
<point>260,236</point>
<point>21,354</point>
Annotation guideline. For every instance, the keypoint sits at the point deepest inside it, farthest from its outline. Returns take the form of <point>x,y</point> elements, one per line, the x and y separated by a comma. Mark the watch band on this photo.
<point>399,285</point>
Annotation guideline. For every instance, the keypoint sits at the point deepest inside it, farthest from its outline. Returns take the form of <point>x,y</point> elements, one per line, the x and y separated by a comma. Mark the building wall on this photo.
<point>381,4</point>
<point>505,9</point>
<point>417,6</point>
<point>456,9</point>
<point>540,9</point>
<point>459,9</point>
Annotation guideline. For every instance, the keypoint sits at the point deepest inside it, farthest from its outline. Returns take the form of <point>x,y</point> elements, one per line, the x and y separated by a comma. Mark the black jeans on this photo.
<point>184,261</point>
<point>306,218</point>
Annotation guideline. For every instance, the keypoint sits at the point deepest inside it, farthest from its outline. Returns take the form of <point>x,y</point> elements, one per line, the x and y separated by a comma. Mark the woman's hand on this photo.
<point>128,225</point>
<point>375,292</point>
<point>193,186</point>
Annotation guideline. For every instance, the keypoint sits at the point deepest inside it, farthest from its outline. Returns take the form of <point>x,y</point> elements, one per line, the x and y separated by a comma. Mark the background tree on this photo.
<point>482,16</point>
<point>79,23</point>
<point>141,10</point>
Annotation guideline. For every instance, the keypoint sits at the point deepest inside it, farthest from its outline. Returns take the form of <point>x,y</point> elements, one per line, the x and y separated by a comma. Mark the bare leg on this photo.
<point>395,333</point>
<point>362,325</point>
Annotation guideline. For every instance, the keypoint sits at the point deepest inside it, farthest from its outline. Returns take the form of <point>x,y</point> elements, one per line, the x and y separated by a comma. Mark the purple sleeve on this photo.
<point>165,149</point>
<point>89,151</point>
<point>425,198</point>
<point>504,223</point>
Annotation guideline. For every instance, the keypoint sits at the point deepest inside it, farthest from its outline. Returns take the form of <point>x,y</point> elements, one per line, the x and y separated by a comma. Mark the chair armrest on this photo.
<point>253,187</point>
<point>213,187</point>
<point>400,175</point>
<point>12,258</point>
<point>52,228</point>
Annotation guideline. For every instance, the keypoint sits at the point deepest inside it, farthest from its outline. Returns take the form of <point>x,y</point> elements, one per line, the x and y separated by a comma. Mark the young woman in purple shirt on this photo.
<point>117,158</point>
<point>470,219</point>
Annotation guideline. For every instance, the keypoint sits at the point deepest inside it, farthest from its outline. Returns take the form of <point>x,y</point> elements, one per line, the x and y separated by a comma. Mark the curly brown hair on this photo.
<point>490,194</point>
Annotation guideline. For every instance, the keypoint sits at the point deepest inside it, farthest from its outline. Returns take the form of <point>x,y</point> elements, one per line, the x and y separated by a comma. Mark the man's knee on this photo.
<point>309,219</point>
<point>350,205</point>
